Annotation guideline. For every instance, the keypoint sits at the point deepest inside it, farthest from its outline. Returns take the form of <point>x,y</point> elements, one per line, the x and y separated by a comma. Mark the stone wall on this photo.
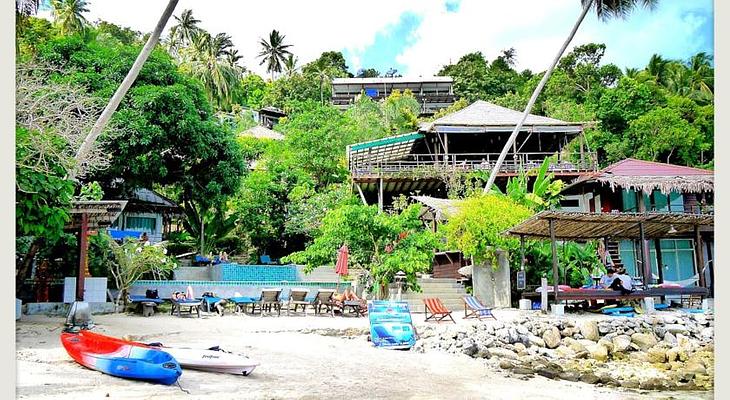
<point>663,351</point>
<point>492,286</point>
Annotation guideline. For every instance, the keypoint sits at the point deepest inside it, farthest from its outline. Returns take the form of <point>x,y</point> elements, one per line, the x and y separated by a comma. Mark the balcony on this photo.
<point>430,165</point>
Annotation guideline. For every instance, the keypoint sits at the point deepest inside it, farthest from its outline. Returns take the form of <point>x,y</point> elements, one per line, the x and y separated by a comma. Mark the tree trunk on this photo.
<point>25,267</point>
<point>535,94</point>
<point>122,90</point>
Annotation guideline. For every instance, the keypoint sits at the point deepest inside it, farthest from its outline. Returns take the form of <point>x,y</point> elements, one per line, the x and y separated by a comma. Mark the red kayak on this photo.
<point>121,358</point>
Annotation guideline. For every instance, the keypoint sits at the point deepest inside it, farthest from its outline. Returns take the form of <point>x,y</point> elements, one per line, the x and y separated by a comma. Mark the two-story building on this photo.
<point>465,141</point>
<point>643,186</point>
<point>433,93</point>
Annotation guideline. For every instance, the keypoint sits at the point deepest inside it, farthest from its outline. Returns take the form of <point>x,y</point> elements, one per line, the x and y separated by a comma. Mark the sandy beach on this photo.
<point>301,358</point>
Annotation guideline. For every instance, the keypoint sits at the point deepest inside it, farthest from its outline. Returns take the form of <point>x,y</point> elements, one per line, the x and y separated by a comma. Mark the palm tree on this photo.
<point>212,60</point>
<point>657,68</point>
<point>631,72</point>
<point>69,15</point>
<point>26,7</point>
<point>184,32</point>
<point>106,114</point>
<point>274,52</point>
<point>703,75</point>
<point>605,10</point>
<point>290,65</point>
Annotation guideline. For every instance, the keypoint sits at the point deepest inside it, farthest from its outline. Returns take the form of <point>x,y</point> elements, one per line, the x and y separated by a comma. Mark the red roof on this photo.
<point>633,167</point>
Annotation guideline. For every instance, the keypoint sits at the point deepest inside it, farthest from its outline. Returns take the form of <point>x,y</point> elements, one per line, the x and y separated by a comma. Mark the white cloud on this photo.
<point>534,28</point>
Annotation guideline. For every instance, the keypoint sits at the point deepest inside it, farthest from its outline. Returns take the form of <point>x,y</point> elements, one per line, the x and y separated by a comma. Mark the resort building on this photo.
<point>463,142</point>
<point>635,186</point>
<point>146,212</point>
<point>433,93</point>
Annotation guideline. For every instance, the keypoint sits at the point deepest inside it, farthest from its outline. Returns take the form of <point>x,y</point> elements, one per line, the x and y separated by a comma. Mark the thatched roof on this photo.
<point>648,176</point>
<point>585,226</point>
<point>485,114</point>
<point>261,132</point>
<point>438,209</point>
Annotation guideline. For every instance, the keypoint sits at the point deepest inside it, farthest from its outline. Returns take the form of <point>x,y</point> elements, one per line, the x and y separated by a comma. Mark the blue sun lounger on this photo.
<point>147,304</point>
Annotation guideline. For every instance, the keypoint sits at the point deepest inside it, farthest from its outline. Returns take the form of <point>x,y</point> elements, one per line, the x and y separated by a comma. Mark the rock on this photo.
<point>569,376</point>
<point>630,384</point>
<point>644,341</point>
<point>522,371</point>
<point>653,384</point>
<point>598,352</point>
<point>589,378</point>
<point>483,352</point>
<point>535,341</point>
<point>520,348</point>
<point>503,353</point>
<point>564,352</point>
<point>672,354</point>
<point>694,367</point>
<point>621,343</point>
<point>657,355</point>
<point>589,330</point>
<point>607,344</point>
<point>707,333</point>
<point>676,328</point>
<point>549,373</point>
<point>505,364</point>
<point>470,350</point>
<point>551,337</point>
<point>604,328</point>
<point>670,338</point>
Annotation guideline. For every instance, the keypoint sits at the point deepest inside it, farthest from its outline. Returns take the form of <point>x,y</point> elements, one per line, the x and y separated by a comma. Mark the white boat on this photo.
<point>212,360</point>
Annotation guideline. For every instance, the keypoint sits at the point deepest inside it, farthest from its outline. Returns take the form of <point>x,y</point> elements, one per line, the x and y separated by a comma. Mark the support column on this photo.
<point>83,256</point>
<point>700,255</point>
<point>553,246</point>
<point>522,252</point>
<point>645,263</point>
<point>380,194</point>
<point>362,195</point>
<point>659,261</point>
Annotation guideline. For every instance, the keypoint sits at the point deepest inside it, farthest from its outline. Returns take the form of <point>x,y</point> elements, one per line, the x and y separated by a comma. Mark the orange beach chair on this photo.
<point>438,312</point>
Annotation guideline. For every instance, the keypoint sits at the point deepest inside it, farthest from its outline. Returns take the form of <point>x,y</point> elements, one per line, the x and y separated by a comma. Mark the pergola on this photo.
<point>86,216</point>
<point>580,226</point>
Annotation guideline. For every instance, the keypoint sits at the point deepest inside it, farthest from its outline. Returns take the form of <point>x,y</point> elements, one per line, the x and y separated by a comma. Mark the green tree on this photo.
<point>133,260</point>
<point>274,52</point>
<point>381,243</point>
<point>477,229</point>
<point>663,135</point>
<point>69,15</point>
<point>329,60</point>
<point>400,111</point>
<point>211,60</point>
<point>367,73</point>
<point>183,33</point>
<point>251,91</point>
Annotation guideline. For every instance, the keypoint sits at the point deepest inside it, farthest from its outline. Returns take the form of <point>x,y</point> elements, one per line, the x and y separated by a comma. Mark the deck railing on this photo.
<point>564,163</point>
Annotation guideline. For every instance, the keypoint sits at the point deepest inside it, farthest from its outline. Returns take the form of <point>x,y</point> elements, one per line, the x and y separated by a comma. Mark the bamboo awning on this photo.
<point>100,214</point>
<point>437,209</point>
<point>585,226</point>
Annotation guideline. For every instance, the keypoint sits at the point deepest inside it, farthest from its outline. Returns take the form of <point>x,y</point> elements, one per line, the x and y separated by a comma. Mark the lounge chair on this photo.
<point>147,304</point>
<point>297,298</point>
<point>438,311</point>
<point>209,301</point>
<point>242,302</point>
<point>324,299</point>
<point>268,301</point>
<point>190,304</point>
<point>473,308</point>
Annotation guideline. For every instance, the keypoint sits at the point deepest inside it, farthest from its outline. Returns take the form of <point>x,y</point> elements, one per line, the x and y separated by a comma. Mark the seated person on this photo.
<point>607,278</point>
<point>622,283</point>
<point>178,296</point>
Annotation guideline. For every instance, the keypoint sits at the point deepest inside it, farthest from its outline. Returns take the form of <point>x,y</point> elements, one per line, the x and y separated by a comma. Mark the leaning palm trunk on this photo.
<point>535,94</point>
<point>123,88</point>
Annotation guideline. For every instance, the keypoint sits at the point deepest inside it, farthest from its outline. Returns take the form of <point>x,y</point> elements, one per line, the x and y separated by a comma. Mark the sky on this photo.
<point>418,37</point>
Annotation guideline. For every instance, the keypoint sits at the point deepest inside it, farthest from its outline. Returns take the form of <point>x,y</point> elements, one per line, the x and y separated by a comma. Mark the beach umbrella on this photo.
<point>341,266</point>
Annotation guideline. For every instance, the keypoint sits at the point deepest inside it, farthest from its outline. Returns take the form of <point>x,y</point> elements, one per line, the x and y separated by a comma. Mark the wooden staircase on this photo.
<point>613,249</point>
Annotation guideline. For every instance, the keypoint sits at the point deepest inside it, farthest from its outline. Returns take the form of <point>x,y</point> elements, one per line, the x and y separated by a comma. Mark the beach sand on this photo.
<point>312,357</point>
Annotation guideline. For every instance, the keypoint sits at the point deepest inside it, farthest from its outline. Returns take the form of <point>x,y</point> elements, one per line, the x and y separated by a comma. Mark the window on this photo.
<point>678,259</point>
<point>142,224</point>
<point>570,203</point>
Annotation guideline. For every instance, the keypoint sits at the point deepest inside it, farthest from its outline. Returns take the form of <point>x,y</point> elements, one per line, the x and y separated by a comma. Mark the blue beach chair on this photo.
<point>473,308</point>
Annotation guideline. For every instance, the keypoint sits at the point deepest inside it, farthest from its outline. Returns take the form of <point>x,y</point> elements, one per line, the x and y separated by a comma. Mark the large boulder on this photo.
<point>589,330</point>
<point>551,336</point>
<point>621,343</point>
<point>503,353</point>
<point>657,355</point>
<point>644,341</point>
<point>598,352</point>
<point>564,352</point>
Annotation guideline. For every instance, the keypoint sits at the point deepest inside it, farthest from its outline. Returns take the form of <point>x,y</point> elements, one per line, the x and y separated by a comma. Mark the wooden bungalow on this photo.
<point>643,186</point>
<point>146,212</point>
<point>465,141</point>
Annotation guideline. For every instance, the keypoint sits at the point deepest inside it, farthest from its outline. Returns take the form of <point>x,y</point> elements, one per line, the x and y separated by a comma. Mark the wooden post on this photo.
<point>83,256</point>
<point>553,246</point>
<point>659,261</point>
<point>700,255</point>
<point>543,295</point>
<point>522,252</point>
<point>380,194</point>
<point>645,263</point>
<point>362,195</point>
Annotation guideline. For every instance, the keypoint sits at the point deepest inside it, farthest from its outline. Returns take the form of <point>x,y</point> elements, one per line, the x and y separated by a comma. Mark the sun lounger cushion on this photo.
<point>143,299</point>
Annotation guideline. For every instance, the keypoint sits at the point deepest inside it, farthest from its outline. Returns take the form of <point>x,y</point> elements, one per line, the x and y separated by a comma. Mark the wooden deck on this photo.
<point>429,165</point>
<point>608,294</point>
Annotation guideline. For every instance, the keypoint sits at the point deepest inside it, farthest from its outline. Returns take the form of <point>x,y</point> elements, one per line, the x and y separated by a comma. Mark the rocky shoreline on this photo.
<point>663,351</point>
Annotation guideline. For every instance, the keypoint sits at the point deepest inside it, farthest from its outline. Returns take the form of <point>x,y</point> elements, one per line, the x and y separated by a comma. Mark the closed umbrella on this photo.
<point>341,266</point>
